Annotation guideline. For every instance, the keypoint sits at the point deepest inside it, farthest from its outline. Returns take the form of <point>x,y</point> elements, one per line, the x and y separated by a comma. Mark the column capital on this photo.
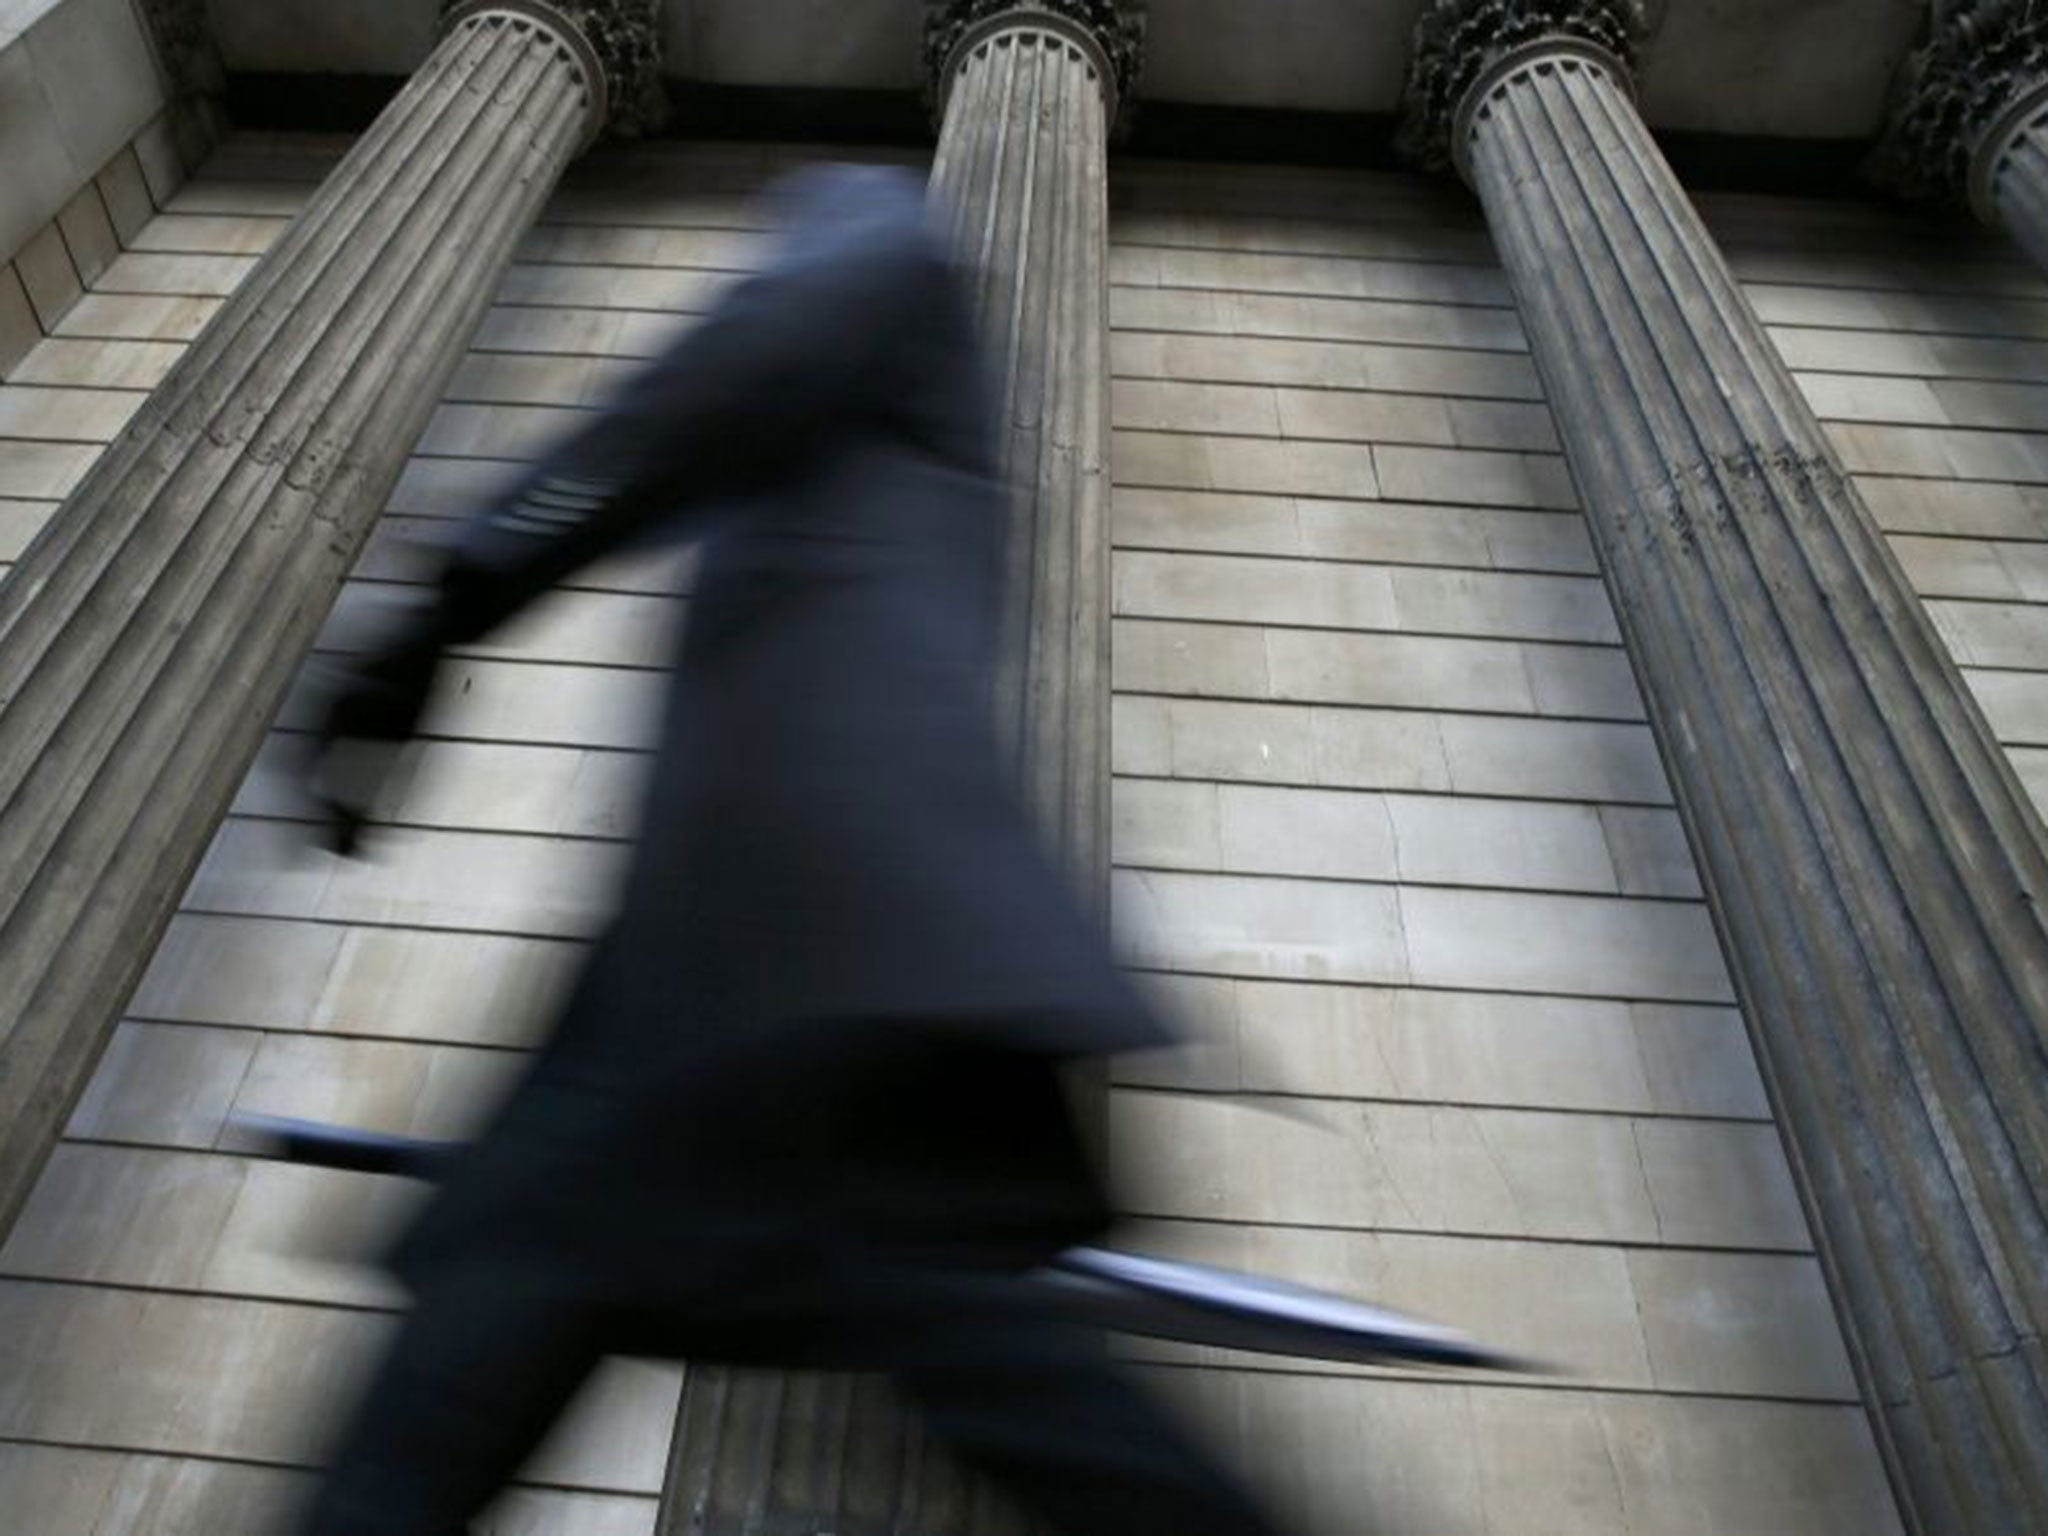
<point>184,42</point>
<point>1114,30</point>
<point>1460,44</point>
<point>1961,99</point>
<point>618,44</point>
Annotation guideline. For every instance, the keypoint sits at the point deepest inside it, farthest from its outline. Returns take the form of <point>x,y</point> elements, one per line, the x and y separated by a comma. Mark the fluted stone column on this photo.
<point>1027,94</point>
<point>1875,872</point>
<point>147,636</point>
<point>1970,116</point>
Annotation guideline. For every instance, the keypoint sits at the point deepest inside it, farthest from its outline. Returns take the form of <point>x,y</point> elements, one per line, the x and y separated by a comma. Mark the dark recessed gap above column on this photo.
<point>1163,130</point>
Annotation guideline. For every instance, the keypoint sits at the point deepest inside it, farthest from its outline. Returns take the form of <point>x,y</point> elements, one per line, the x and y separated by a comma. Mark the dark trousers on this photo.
<point>859,1198</point>
<point>479,1373</point>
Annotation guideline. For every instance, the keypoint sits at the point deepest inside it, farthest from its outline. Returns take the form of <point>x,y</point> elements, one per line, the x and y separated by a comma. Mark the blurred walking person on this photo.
<point>804,1104</point>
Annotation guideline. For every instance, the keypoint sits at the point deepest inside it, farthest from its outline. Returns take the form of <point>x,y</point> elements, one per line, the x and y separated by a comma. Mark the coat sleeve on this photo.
<point>745,396</point>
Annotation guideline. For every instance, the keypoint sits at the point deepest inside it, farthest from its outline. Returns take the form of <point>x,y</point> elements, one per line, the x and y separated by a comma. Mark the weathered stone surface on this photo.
<point>150,631</point>
<point>1116,27</point>
<point>1021,176</point>
<point>1980,57</point>
<point>1458,41</point>
<point>184,41</point>
<point>1876,873</point>
<point>1970,117</point>
<point>623,37</point>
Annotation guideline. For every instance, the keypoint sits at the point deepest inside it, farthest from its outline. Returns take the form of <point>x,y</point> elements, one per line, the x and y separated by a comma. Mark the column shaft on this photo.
<point>147,637</point>
<point>1876,873</point>
<point>1021,171</point>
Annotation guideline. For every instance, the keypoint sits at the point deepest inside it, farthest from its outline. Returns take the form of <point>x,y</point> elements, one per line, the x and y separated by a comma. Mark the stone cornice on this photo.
<point>1980,59</point>
<point>1116,27</point>
<point>1457,42</point>
<point>624,39</point>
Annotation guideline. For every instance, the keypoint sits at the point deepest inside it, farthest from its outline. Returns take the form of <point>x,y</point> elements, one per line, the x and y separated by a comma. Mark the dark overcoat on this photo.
<point>842,968</point>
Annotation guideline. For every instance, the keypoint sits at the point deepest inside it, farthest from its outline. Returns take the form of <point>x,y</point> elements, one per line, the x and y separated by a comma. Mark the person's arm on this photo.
<point>742,398</point>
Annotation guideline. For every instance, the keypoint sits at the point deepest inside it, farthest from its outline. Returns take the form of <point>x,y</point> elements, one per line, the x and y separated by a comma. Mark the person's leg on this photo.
<point>477,1374</point>
<point>958,1167</point>
<point>1036,1405</point>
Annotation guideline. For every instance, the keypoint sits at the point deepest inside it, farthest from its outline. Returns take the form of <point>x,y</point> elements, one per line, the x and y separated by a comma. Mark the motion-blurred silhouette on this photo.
<point>804,1104</point>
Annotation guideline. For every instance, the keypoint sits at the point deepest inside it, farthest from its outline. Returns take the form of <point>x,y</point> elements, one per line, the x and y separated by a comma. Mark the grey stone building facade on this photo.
<point>1544,656</point>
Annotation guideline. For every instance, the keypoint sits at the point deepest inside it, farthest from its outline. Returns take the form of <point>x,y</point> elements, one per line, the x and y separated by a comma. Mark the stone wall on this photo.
<point>1390,829</point>
<point>95,144</point>
<point>1389,820</point>
<point>393,993</point>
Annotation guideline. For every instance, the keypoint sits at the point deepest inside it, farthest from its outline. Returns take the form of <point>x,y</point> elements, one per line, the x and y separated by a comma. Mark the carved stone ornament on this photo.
<point>1458,41</point>
<point>1118,27</point>
<point>624,36</point>
<point>1980,58</point>
<point>184,42</point>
